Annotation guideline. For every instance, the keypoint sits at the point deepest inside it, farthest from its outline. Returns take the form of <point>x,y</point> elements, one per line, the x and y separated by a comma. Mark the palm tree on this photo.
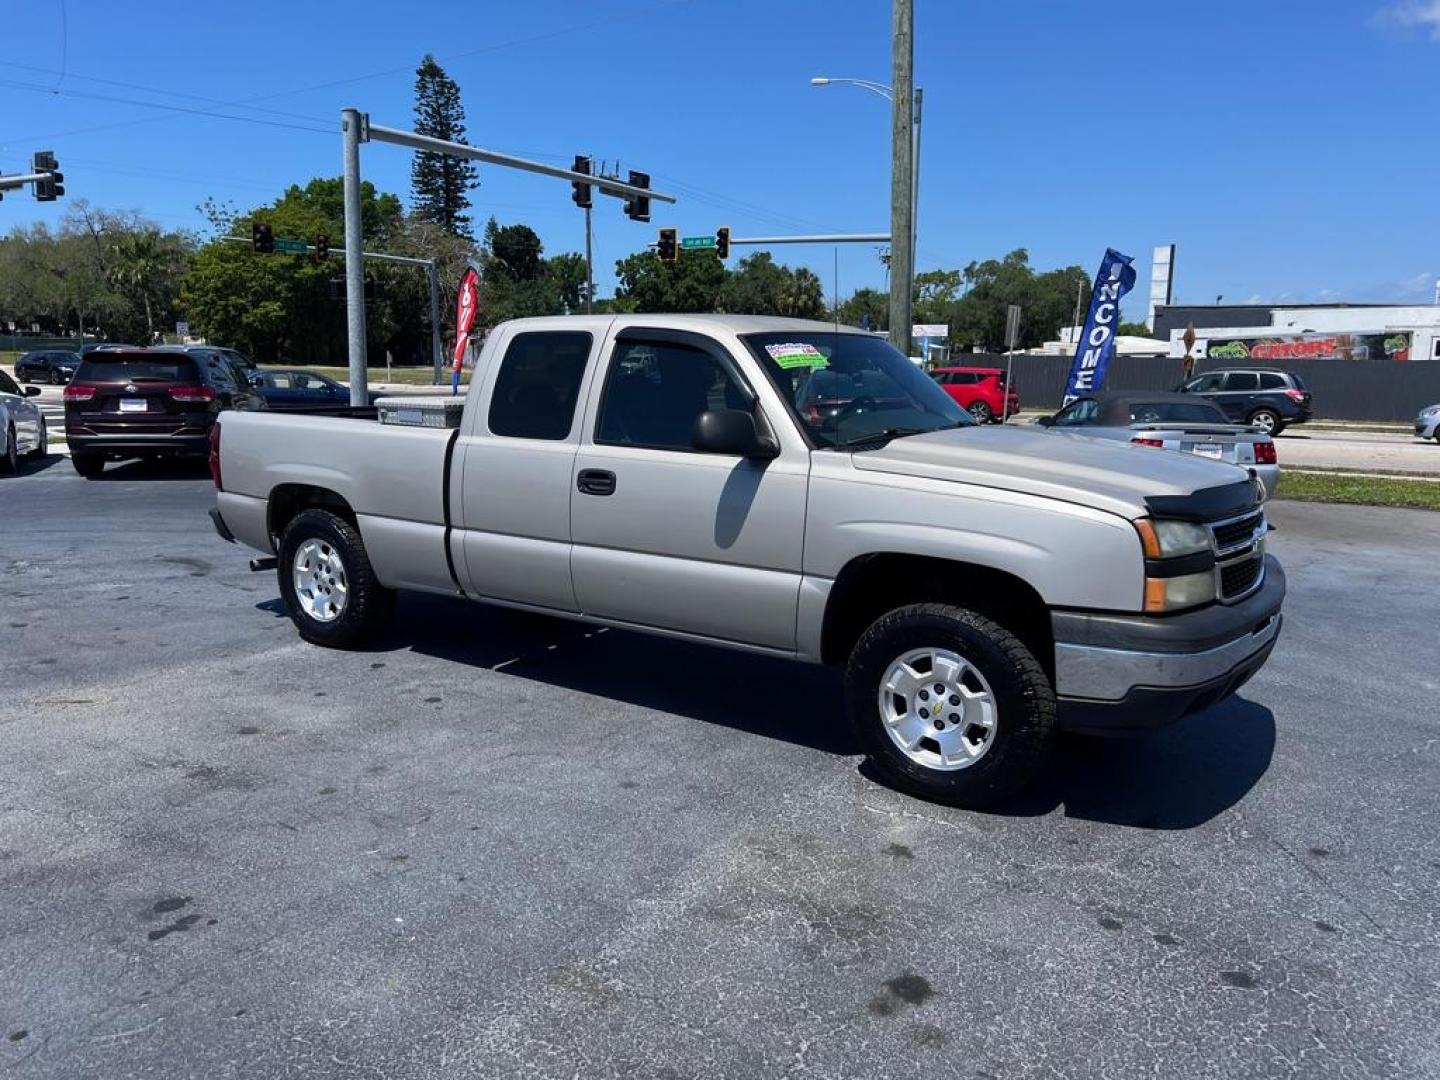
<point>140,258</point>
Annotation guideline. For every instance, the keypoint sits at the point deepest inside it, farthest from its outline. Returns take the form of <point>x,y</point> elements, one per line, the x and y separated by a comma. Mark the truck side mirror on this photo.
<point>730,431</point>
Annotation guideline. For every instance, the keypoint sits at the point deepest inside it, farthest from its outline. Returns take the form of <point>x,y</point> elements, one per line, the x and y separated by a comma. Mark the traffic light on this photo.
<point>580,192</point>
<point>637,207</point>
<point>262,239</point>
<point>53,185</point>
<point>668,247</point>
<point>722,241</point>
<point>322,247</point>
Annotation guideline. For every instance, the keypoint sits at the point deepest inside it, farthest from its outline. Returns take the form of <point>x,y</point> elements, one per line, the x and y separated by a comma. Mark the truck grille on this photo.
<point>1236,532</point>
<point>1237,578</point>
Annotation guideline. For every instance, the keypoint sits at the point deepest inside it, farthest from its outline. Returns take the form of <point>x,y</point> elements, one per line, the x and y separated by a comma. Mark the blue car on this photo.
<point>281,388</point>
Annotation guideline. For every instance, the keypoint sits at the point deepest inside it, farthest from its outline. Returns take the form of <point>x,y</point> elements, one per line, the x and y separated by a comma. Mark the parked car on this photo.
<point>1427,424</point>
<point>283,388</point>
<point>96,346</point>
<point>981,391</point>
<point>1266,399</point>
<point>149,403</point>
<point>54,366</point>
<point>1171,422</point>
<point>982,586</point>
<point>22,426</point>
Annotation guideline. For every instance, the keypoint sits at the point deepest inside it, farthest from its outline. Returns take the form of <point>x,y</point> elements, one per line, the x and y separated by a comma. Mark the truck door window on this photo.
<point>654,391</point>
<point>538,385</point>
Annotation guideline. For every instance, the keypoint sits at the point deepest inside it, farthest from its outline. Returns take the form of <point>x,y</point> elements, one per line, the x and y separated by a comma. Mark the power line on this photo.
<point>155,105</point>
<point>249,103</point>
<point>183,96</point>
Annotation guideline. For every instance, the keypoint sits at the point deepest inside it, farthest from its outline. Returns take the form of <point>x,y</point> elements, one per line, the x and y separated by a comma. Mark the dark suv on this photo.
<point>124,403</point>
<point>1264,398</point>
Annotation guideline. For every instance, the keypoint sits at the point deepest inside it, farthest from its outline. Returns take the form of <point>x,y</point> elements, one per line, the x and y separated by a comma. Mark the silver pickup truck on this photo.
<point>794,489</point>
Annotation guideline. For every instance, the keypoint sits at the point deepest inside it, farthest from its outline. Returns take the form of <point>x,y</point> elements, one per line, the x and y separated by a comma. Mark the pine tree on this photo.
<point>438,184</point>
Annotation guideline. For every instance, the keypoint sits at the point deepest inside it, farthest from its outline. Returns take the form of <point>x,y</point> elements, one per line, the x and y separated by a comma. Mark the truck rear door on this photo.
<point>517,455</point>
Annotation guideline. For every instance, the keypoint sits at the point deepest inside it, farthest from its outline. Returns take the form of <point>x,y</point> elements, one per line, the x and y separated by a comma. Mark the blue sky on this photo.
<point>1289,149</point>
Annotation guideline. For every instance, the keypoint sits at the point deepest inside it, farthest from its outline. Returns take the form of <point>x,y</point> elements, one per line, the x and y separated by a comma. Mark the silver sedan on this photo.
<point>1171,422</point>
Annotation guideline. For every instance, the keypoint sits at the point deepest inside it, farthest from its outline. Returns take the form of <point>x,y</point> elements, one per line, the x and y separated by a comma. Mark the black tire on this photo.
<point>981,412</point>
<point>88,465</point>
<point>1271,424</point>
<point>368,604</point>
<point>1024,702</point>
<point>10,452</point>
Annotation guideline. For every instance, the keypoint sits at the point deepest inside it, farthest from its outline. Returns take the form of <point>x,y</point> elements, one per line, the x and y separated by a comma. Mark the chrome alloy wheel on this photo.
<point>938,709</point>
<point>320,583</point>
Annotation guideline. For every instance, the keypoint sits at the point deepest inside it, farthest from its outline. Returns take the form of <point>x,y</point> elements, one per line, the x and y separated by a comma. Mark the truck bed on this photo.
<point>379,469</point>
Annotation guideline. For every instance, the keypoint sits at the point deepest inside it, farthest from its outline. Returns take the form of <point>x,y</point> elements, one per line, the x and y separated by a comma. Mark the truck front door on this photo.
<point>668,537</point>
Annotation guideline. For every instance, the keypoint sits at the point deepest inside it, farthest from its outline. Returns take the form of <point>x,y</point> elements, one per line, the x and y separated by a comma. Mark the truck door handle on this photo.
<point>596,482</point>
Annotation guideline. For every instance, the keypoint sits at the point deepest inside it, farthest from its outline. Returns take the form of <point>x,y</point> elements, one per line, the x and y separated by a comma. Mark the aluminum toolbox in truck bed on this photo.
<point>431,412</point>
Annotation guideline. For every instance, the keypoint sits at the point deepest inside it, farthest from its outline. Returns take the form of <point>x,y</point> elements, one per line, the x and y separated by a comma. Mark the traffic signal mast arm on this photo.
<point>375,133</point>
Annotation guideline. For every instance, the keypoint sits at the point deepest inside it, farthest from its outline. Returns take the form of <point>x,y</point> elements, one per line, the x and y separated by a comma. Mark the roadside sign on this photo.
<point>697,243</point>
<point>182,330</point>
<point>290,247</point>
<point>1012,326</point>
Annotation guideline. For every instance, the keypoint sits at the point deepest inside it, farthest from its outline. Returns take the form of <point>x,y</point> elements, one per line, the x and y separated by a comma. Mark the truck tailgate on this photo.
<point>380,470</point>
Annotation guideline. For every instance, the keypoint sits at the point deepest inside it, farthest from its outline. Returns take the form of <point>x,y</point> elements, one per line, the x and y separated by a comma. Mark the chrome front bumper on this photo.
<point>1133,672</point>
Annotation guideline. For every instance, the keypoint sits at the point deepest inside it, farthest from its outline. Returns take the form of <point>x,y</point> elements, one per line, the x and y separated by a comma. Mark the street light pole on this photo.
<point>912,212</point>
<point>902,179</point>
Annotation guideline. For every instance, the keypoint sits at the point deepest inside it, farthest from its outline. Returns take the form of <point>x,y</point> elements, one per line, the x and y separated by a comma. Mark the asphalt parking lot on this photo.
<point>503,846</point>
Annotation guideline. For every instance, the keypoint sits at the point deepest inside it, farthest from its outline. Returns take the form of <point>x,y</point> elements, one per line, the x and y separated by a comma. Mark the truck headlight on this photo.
<point>1164,539</point>
<point>1185,550</point>
<point>1164,594</point>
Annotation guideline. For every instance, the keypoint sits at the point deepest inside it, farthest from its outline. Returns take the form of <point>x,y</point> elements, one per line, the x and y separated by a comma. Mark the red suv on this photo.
<point>981,390</point>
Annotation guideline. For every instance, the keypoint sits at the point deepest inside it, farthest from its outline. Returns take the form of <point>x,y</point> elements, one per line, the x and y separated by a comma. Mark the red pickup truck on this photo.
<point>981,390</point>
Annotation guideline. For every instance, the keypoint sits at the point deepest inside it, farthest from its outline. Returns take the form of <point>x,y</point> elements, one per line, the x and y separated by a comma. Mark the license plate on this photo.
<point>133,404</point>
<point>1207,449</point>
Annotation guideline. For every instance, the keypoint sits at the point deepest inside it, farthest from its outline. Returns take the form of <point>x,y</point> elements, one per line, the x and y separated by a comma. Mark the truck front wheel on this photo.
<point>327,583</point>
<point>949,705</point>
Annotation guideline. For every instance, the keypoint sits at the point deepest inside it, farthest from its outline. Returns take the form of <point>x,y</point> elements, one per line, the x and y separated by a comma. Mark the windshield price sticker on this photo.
<point>793,354</point>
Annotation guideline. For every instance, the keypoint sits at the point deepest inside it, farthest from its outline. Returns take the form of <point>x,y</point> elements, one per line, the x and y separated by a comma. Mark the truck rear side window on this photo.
<point>538,385</point>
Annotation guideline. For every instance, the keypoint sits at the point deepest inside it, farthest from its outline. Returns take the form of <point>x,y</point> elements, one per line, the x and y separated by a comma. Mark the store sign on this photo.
<point>1312,347</point>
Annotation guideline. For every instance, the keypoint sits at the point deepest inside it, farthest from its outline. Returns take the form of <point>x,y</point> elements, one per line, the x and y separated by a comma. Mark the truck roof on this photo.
<point>735,324</point>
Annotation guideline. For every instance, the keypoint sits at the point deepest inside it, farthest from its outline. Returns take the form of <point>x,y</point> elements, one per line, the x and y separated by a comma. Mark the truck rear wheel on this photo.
<point>329,588</point>
<point>949,705</point>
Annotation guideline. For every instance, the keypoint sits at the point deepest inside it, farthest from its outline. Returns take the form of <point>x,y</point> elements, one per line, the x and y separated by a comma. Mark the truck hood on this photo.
<point>1099,473</point>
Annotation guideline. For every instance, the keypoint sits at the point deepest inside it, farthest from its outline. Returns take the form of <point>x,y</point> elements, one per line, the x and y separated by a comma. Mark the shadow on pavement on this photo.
<point>33,467</point>
<point>757,694</point>
<point>190,468</point>
<point>1176,778</point>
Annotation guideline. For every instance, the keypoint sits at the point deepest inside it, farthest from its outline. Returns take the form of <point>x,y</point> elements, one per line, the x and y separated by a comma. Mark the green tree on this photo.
<point>1134,329</point>
<point>866,303</point>
<point>1047,302</point>
<point>439,184</point>
<point>147,265</point>
<point>278,306</point>
<point>649,285</point>
<point>759,286</point>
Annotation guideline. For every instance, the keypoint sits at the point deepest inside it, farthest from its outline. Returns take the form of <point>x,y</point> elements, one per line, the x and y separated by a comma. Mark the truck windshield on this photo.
<point>848,389</point>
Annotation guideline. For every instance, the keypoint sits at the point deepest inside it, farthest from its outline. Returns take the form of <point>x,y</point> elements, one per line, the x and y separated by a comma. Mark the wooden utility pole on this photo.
<point>902,175</point>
